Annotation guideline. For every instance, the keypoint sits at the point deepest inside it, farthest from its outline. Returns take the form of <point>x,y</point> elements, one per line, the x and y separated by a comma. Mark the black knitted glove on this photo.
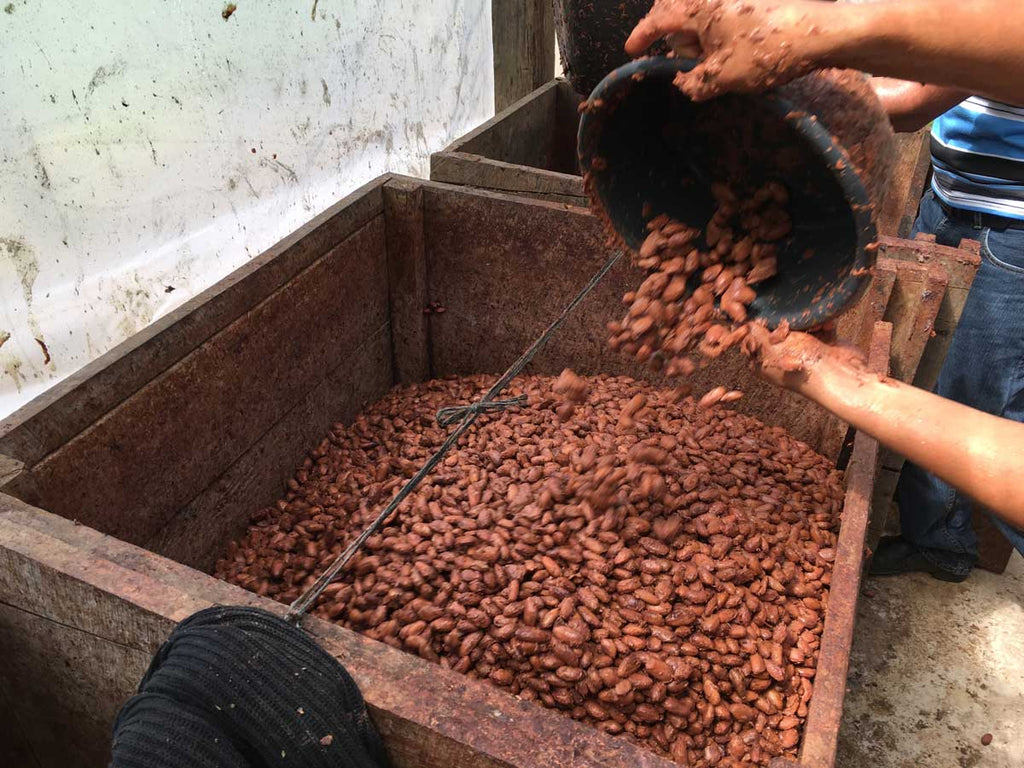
<point>242,688</point>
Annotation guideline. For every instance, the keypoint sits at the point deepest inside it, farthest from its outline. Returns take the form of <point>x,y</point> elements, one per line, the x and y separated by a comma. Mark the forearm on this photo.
<point>972,46</point>
<point>911,106</point>
<point>980,454</point>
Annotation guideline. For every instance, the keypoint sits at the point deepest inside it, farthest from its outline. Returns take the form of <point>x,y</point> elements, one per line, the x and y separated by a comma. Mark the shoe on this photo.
<point>895,555</point>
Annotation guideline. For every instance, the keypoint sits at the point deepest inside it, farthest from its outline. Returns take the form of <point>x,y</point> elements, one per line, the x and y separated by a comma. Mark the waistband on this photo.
<point>978,219</point>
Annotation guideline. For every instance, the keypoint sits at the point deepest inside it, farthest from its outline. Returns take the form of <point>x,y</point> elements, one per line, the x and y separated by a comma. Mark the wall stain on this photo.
<point>12,367</point>
<point>4,336</point>
<point>135,304</point>
<point>327,92</point>
<point>41,172</point>
<point>282,170</point>
<point>102,75</point>
<point>26,265</point>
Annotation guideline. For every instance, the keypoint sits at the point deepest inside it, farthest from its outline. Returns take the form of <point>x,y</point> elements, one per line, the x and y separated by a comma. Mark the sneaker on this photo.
<point>895,555</point>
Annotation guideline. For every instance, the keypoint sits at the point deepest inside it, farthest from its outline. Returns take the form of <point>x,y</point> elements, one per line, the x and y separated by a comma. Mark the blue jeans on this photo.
<point>985,370</point>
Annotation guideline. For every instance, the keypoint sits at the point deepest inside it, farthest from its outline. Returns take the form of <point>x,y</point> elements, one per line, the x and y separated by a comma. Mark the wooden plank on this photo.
<point>523,37</point>
<point>913,308</point>
<point>15,749</point>
<point>505,266</point>
<point>9,469</point>
<point>857,324</point>
<point>521,134</point>
<point>821,732</point>
<point>482,172</point>
<point>906,184</point>
<point>407,281</point>
<point>78,401</point>
<point>432,717</point>
<point>529,148</point>
<point>94,674</point>
<point>912,311</point>
<point>132,470</point>
<point>195,535</point>
<point>960,264</point>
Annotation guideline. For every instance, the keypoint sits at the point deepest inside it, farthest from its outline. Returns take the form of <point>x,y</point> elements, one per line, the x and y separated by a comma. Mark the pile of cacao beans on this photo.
<point>700,282</point>
<point>654,568</point>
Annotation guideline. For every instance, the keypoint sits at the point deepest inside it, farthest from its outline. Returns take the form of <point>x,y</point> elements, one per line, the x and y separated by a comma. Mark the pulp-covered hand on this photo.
<point>742,45</point>
<point>787,358</point>
<point>975,452</point>
<point>750,45</point>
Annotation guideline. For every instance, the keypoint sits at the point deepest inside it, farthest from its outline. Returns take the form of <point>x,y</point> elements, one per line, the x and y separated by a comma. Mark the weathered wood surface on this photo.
<point>407,281</point>
<point>857,325</point>
<point>913,309</point>
<point>961,265</point>
<point>529,149</point>
<point>504,267</point>
<point>821,731</point>
<point>906,184</point>
<point>51,569</point>
<point>158,450</point>
<point>77,402</point>
<point>195,535</point>
<point>523,37</point>
<point>499,176</point>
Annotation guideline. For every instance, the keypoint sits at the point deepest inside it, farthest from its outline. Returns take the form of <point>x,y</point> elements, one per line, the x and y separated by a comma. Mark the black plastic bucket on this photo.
<point>646,149</point>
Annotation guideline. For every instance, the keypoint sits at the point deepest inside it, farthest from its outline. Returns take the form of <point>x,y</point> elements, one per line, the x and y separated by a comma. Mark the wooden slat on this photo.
<point>156,451</point>
<point>78,401</point>
<point>523,36</point>
<point>15,749</point>
<point>407,281</point>
<point>913,308</point>
<point>857,324</point>
<point>482,172</point>
<point>906,184</point>
<point>821,732</point>
<point>195,535</point>
<point>522,133</point>
<point>528,149</point>
<point>960,264</point>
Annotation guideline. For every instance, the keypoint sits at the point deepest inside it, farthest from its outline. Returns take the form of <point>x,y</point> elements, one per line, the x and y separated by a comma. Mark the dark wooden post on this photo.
<point>523,36</point>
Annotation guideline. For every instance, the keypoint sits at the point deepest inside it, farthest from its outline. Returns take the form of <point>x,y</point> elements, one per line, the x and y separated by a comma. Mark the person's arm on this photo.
<point>975,452</point>
<point>748,46</point>
<point>911,106</point>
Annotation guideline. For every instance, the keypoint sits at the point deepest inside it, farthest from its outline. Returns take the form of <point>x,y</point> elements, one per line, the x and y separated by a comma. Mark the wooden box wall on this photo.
<point>123,483</point>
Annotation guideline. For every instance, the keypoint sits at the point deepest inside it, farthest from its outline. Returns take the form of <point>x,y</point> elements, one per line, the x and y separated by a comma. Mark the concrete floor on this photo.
<point>934,667</point>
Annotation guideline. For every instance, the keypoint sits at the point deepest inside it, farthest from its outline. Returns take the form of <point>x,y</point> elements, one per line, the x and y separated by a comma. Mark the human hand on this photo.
<point>742,45</point>
<point>788,358</point>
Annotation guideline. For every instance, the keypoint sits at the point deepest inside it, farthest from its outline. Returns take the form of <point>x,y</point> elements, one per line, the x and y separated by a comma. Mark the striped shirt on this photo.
<point>978,157</point>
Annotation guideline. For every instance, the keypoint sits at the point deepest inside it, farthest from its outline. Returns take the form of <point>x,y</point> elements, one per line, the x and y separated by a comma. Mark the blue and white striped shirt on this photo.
<point>978,157</point>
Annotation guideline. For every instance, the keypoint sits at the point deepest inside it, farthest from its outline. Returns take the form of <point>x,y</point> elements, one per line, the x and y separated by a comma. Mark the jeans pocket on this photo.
<point>1004,248</point>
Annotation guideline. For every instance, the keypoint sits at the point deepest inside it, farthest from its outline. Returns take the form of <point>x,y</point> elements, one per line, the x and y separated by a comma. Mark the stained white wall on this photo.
<point>149,148</point>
